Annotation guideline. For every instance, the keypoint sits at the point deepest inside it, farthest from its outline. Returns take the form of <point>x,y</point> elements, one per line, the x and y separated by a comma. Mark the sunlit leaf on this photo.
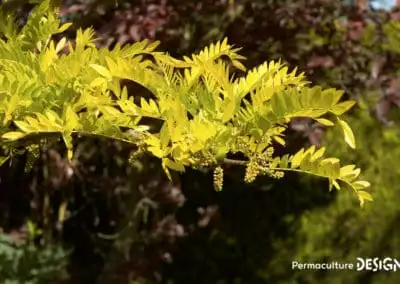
<point>348,134</point>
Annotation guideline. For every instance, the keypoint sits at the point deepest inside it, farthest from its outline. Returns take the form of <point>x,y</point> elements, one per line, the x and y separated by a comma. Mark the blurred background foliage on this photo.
<point>111,219</point>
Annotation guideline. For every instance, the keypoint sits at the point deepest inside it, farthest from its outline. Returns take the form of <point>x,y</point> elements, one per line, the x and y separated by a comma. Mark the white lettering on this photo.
<point>360,264</point>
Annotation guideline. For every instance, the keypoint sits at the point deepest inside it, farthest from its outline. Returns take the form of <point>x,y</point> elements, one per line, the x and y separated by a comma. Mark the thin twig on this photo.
<point>235,162</point>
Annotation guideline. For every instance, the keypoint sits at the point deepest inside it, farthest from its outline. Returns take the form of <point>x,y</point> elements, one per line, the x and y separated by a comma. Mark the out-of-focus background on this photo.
<point>127,224</point>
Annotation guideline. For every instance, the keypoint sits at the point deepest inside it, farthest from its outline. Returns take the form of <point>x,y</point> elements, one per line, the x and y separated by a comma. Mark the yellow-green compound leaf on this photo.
<point>341,108</point>
<point>238,65</point>
<point>48,57</point>
<point>164,136</point>
<point>362,196</point>
<point>347,170</point>
<point>325,122</point>
<point>318,154</point>
<point>157,152</point>
<point>154,146</point>
<point>149,108</point>
<point>351,176</point>
<point>221,152</point>
<point>305,162</point>
<point>64,27</point>
<point>25,127</point>
<point>279,140</point>
<point>329,168</point>
<point>13,135</point>
<point>98,82</point>
<point>203,131</point>
<point>360,184</point>
<point>165,168</point>
<point>335,184</point>
<point>278,104</point>
<point>174,165</point>
<point>71,119</point>
<point>348,134</point>
<point>229,110</point>
<point>11,107</point>
<point>284,161</point>
<point>34,123</point>
<point>52,116</point>
<point>102,70</point>
<point>66,136</point>
<point>61,44</point>
<point>297,158</point>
